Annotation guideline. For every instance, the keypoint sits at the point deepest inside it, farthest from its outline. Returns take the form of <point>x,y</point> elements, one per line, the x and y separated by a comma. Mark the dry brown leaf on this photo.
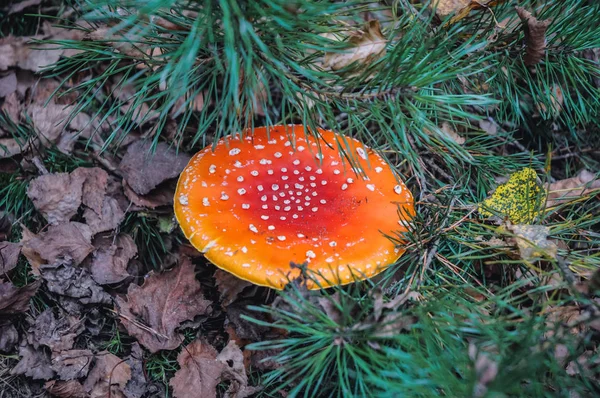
<point>234,370</point>
<point>532,241</point>
<point>489,126</point>
<point>9,255</point>
<point>572,188</point>
<point>154,310</point>
<point>72,364</point>
<point>485,368</point>
<point>14,300</point>
<point>10,147</point>
<point>229,286</point>
<point>366,46</point>
<point>557,100</point>
<point>108,377</point>
<point>108,219</point>
<point>136,386</point>
<point>199,373</point>
<point>159,196</point>
<point>65,389</point>
<point>110,260</point>
<point>20,6</point>
<point>9,337</point>
<point>34,363</point>
<point>144,172</point>
<point>55,332</point>
<point>8,84</point>
<point>443,8</point>
<point>535,36</point>
<point>65,241</point>
<point>50,121</point>
<point>74,285</point>
<point>452,134</point>
<point>331,309</point>
<point>56,196</point>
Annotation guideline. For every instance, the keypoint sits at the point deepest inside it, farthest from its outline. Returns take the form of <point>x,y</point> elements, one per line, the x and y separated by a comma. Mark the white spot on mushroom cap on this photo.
<point>234,151</point>
<point>245,206</point>
<point>253,228</point>
<point>205,202</point>
<point>361,153</point>
<point>310,254</point>
<point>371,187</point>
<point>344,187</point>
<point>281,238</point>
<point>333,243</point>
<point>246,265</point>
<point>398,189</point>
<point>183,199</point>
<point>259,146</point>
<point>271,227</point>
<point>212,169</point>
<point>224,196</point>
<point>277,154</point>
<point>254,173</point>
<point>378,169</point>
<point>241,191</point>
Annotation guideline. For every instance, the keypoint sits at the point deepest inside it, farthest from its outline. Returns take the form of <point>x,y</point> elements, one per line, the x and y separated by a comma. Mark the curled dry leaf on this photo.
<point>65,241</point>
<point>136,386</point>
<point>74,285</point>
<point>110,260</point>
<point>14,300</point>
<point>229,286</point>
<point>532,241</point>
<point>9,255</point>
<point>108,378</point>
<point>153,311</point>
<point>160,196</point>
<point>572,188</point>
<point>9,337</point>
<point>65,389</point>
<point>365,47</point>
<point>234,370</point>
<point>535,36</point>
<point>443,8</point>
<point>144,171</point>
<point>56,333</point>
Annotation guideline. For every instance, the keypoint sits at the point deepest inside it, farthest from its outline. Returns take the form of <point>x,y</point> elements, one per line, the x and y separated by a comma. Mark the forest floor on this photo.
<point>102,295</point>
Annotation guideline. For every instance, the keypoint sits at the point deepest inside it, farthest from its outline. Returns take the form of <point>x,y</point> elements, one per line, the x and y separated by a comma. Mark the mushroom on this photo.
<point>257,203</point>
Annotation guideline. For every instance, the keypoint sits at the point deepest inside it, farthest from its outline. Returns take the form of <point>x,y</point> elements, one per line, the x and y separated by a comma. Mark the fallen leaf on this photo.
<point>9,337</point>
<point>532,241</point>
<point>110,260</point>
<point>72,364</point>
<point>152,312</point>
<point>489,126</point>
<point>50,121</point>
<point>229,286</point>
<point>14,300</point>
<point>160,196</point>
<point>393,324</point>
<point>144,171</point>
<point>366,46</point>
<point>20,6</point>
<point>65,241</point>
<point>234,370</point>
<point>108,219</point>
<point>563,191</point>
<point>557,100</point>
<point>108,378</point>
<point>56,333</point>
<point>9,255</point>
<point>443,8</point>
<point>57,196</point>
<point>519,199</point>
<point>34,363</point>
<point>137,386</point>
<point>243,329</point>
<point>10,147</point>
<point>74,285</point>
<point>65,389</point>
<point>535,36</point>
<point>485,368</point>
<point>94,182</point>
<point>199,373</point>
<point>331,309</point>
<point>8,84</point>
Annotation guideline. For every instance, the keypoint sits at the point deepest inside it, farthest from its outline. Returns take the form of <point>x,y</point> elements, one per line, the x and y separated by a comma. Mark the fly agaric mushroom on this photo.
<point>255,204</point>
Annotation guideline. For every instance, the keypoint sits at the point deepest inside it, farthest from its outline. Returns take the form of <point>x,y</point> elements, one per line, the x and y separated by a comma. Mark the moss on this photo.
<point>518,199</point>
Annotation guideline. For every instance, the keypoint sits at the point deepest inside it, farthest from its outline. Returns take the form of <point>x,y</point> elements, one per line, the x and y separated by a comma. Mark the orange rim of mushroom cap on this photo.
<point>257,203</point>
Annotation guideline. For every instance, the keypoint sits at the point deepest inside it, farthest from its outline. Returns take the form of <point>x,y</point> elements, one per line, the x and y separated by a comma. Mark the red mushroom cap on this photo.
<point>277,196</point>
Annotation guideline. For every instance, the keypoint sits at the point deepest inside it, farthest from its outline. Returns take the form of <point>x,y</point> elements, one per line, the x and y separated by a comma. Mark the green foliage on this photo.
<point>145,231</point>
